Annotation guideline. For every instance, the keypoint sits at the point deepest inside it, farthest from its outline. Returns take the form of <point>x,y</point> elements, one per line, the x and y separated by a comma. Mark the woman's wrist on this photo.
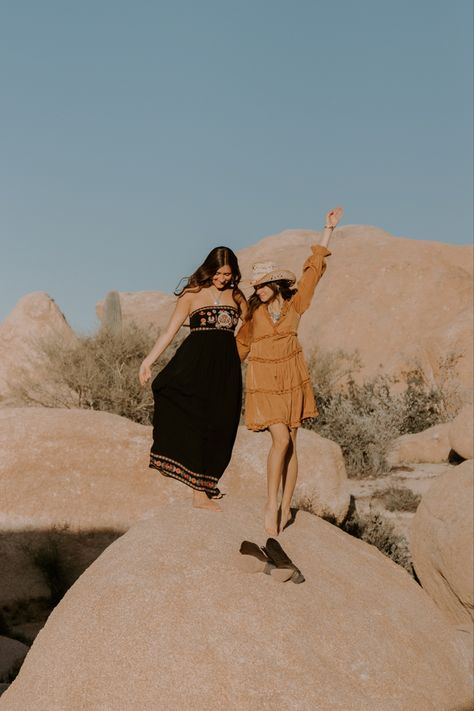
<point>329,227</point>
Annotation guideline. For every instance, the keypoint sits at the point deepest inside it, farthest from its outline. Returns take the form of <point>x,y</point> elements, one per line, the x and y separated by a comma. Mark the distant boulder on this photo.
<point>399,302</point>
<point>147,309</point>
<point>35,319</point>
<point>461,433</point>
<point>322,478</point>
<point>432,445</point>
<point>442,545</point>
<point>86,469</point>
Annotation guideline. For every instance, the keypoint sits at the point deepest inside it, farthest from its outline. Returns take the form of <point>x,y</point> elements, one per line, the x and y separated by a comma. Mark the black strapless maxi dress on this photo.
<point>198,401</point>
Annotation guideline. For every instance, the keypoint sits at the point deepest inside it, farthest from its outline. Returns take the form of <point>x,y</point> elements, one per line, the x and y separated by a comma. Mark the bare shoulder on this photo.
<point>185,300</point>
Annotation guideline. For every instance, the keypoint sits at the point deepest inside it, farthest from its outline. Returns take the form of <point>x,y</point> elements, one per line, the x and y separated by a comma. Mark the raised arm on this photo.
<point>177,319</point>
<point>315,266</point>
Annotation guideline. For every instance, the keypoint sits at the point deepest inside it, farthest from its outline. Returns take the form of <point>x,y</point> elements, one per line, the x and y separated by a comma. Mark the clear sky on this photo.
<point>135,136</point>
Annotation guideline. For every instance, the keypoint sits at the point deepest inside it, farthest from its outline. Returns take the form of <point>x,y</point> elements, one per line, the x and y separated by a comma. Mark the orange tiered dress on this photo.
<point>278,386</point>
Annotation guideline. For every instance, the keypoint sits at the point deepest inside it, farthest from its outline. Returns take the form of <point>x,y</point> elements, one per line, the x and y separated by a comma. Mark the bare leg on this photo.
<point>276,459</point>
<point>202,501</point>
<point>289,479</point>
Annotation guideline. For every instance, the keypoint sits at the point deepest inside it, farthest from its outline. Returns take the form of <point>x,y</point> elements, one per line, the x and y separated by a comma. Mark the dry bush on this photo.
<point>373,528</point>
<point>398,499</point>
<point>365,418</point>
<point>98,372</point>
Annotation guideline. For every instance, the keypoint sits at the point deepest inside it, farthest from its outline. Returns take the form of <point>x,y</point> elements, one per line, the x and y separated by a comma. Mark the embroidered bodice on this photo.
<point>212,318</point>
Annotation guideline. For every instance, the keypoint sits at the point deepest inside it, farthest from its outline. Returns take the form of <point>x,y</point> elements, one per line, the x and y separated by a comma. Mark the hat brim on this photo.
<point>276,275</point>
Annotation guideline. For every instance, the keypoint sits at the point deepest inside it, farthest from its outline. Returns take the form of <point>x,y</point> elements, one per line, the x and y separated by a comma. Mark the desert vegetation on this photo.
<point>99,372</point>
<point>372,527</point>
<point>364,418</point>
<point>396,498</point>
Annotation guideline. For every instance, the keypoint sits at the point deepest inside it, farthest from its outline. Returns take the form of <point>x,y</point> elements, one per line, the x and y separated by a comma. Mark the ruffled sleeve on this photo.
<point>313,269</point>
<point>244,340</point>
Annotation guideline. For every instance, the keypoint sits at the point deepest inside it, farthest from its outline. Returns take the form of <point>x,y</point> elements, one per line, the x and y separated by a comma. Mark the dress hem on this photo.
<point>254,427</point>
<point>199,482</point>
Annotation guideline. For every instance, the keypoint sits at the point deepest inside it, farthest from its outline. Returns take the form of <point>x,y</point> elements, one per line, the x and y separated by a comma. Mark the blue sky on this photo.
<point>137,136</point>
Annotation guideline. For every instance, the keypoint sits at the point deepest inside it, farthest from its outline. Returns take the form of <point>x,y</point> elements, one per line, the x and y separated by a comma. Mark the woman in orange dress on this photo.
<point>278,391</point>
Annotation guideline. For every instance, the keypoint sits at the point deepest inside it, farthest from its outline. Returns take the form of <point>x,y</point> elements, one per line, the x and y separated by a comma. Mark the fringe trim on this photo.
<point>292,425</point>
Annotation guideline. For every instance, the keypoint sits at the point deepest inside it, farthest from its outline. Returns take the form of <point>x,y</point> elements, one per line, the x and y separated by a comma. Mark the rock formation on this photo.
<point>35,319</point>
<point>89,469</point>
<point>145,308</point>
<point>461,433</point>
<point>396,301</point>
<point>322,474</point>
<point>442,545</point>
<point>431,445</point>
<point>164,619</point>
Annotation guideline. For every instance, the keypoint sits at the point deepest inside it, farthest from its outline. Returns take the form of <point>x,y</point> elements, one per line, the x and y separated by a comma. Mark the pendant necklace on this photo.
<point>274,315</point>
<point>217,299</point>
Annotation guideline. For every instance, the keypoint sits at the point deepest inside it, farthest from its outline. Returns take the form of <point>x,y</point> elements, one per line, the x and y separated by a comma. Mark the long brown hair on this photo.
<point>216,259</point>
<point>281,287</point>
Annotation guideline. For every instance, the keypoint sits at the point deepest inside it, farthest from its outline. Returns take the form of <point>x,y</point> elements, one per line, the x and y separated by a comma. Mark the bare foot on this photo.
<point>271,520</point>
<point>202,501</point>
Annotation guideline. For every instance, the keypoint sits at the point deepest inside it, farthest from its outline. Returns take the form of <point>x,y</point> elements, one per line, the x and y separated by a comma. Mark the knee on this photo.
<point>281,442</point>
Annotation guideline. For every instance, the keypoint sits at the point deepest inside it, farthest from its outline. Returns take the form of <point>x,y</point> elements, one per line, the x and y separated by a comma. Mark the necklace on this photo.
<point>274,315</point>
<point>217,298</point>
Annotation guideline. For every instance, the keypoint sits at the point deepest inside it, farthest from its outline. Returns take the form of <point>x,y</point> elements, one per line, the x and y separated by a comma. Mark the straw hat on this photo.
<point>263,272</point>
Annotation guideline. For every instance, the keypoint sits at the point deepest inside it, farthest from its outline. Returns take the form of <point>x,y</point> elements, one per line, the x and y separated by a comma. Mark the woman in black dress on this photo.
<point>198,393</point>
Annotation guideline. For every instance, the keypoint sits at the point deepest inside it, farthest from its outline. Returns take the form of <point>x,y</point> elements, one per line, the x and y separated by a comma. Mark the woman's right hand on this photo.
<point>144,374</point>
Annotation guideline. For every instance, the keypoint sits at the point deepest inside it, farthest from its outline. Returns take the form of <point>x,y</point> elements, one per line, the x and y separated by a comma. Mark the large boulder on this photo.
<point>83,467</point>
<point>395,300</point>
<point>432,445</point>
<point>164,619</point>
<point>148,309</point>
<point>442,545</point>
<point>461,433</point>
<point>36,319</point>
<point>322,477</point>
<point>399,302</point>
<point>80,468</point>
<point>78,471</point>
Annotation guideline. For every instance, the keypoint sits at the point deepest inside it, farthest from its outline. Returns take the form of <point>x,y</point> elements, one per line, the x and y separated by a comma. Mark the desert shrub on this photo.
<point>398,499</point>
<point>98,372</point>
<point>364,418</point>
<point>373,528</point>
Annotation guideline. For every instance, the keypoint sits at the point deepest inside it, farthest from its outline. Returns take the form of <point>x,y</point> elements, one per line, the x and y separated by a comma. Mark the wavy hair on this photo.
<point>216,259</point>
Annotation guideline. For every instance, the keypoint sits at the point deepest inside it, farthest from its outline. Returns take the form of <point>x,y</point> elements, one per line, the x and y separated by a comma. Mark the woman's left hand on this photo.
<point>333,216</point>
